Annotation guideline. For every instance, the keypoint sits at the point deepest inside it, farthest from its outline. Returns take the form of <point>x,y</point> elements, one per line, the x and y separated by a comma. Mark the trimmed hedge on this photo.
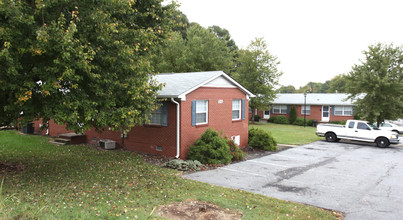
<point>299,121</point>
<point>338,122</point>
<point>261,139</point>
<point>281,120</point>
<point>210,148</point>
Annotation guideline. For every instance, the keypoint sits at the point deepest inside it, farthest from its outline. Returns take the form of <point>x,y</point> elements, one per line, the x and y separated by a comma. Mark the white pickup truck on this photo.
<point>358,131</point>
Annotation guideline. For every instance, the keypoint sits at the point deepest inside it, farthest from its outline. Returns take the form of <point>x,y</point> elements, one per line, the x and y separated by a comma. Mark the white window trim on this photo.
<point>202,123</point>
<point>280,108</point>
<point>240,109</point>
<point>308,107</point>
<point>343,111</point>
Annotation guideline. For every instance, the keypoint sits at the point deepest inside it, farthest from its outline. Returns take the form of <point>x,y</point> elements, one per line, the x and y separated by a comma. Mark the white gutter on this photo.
<point>177,128</point>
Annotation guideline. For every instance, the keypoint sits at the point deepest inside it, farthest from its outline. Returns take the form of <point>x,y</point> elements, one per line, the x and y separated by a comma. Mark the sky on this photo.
<point>314,40</point>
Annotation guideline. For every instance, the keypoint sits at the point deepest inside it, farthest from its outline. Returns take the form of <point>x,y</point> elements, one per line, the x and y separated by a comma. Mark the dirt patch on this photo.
<point>9,167</point>
<point>155,159</point>
<point>194,209</point>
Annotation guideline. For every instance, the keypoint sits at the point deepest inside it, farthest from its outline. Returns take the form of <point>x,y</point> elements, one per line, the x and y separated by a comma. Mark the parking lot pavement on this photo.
<point>360,180</point>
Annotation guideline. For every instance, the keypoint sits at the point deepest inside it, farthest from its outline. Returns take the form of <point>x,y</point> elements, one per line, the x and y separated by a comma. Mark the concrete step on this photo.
<point>62,140</point>
<point>74,138</point>
<point>57,143</point>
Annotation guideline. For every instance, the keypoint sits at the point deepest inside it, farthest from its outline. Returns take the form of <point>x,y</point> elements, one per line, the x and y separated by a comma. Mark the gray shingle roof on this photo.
<point>313,99</point>
<point>177,85</point>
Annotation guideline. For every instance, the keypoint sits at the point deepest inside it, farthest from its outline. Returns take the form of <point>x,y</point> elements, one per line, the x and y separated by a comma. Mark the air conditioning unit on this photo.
<point>107,144</point>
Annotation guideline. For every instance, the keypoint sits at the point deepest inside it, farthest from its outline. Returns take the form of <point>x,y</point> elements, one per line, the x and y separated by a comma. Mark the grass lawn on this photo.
<point>81,182</point>
<point>289,134</point>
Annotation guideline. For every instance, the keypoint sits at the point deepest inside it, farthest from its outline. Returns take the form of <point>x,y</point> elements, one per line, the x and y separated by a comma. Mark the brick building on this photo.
<point>191,103</point>
<point>323,107</point>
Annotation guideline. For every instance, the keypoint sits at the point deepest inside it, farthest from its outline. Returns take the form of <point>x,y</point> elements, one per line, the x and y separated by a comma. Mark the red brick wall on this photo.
<point>144,138</point>
<point>54,129</point>
<point>140,139</point>
<point>340,118</point>
<point>219,116</point>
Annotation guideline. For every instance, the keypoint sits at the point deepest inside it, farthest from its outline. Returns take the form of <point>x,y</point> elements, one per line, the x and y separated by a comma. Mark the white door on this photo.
<point>325,113</point>
<point>266,114</point>
<point>363,132</point>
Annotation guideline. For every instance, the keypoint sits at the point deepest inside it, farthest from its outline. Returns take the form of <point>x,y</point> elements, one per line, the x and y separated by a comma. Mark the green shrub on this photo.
<point>293,115</point>
<point>259,138</point>
<point>271,119</point>
<point>299,121</point>
<point>281,120</point>
<point>210,148</point>
<point>256,117</point>
<point>182,165</point>
<point>237,154</point>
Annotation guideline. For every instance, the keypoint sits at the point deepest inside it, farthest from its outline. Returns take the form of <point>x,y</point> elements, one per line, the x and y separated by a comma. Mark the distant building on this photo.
<point>323,107</point>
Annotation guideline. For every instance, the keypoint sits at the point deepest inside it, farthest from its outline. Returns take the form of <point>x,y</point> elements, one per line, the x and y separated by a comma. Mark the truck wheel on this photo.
<point>330,137</point>
<point>382,142</point>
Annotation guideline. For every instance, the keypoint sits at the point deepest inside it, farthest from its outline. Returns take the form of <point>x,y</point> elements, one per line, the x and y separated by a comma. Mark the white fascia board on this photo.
<point>182,97</point>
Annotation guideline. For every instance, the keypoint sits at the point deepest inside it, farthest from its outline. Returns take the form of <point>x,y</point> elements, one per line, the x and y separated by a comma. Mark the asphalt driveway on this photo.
<point>361,180</point>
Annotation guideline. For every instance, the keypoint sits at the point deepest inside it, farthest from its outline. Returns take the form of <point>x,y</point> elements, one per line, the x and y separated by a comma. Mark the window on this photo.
<point>351,124</point>
<point>280,109</point>
<point>363,126</point>
<point>160,115</point>
<point>201,111</point>
<point>156,116</point>
<point>236,109</point>
<point>343,110</point>
<point>308,110</point>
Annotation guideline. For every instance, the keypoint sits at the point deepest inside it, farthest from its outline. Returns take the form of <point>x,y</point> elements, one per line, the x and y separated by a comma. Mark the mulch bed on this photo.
<point>252,153</point>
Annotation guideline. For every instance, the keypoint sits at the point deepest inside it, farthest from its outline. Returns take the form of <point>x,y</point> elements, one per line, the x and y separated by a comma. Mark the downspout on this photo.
<point>177,128</point>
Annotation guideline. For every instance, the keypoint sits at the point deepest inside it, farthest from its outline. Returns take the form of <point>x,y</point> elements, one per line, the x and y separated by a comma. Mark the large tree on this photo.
<point>314,87</point>
<point>287,89</point>
<point>201,50</point>
<point>82,63</point>
<point>257,71</point>
<point>380,78</point>
<point>338,84</point>
<point>224,35</point>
